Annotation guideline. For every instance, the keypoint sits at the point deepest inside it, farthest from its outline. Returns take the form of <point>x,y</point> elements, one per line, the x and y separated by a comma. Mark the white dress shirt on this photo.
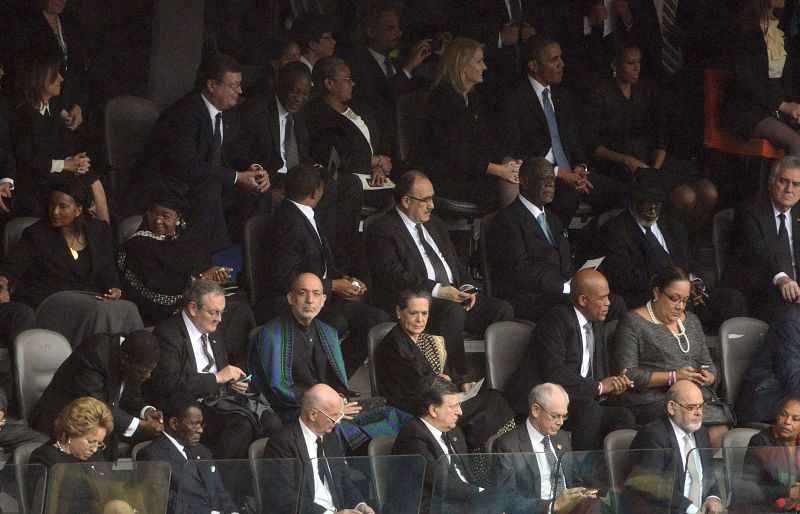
<point>545,483</point>
<point>322,492</point>
<point>536,211</point>
<point>586,359</point>
<point>282,113</point>
<point>788,223</point>
<point>437,436</point>
<point>687,485</point>
<point>196,337</point>
<point>656,232</point>
<point>307,63</point>
<point>412,229</point>
<point>308,212</point>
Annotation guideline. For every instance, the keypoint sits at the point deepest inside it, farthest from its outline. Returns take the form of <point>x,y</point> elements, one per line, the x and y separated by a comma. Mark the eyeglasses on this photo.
<point>427,199</point>
<point>675,298</point>
<point>94,445</point>
<point>213,314</point>
<point>692,407</point>
<point>557,417</point>
<point>233,85</point>
<point>334,421</point>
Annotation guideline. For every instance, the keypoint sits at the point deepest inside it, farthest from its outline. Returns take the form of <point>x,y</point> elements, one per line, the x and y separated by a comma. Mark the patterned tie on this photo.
<point>216,150</point>
<point>552,127</point>
<point>556,476</point>
<point>784,248</point>
<point>207,353</point>
<point>545,227</point>
<point>387,64</point>
<point>671,57</point>
<point>440,273</point>
<point>290,143</point>
<point>696,489</point>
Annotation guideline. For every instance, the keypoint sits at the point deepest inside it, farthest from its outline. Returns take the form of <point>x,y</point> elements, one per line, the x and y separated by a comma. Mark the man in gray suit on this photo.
<point>537,483</point>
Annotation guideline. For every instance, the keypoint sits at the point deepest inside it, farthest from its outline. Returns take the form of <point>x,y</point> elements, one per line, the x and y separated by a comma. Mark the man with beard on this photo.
<point>682,431</point>
<point>643,240</point>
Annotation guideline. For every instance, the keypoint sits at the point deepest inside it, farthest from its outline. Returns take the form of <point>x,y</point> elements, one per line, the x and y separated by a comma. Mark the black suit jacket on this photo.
<point>176,372</point>
<point>261,133</point>
<point>92,369</point>
<point>630,261</point>
<point>520,256</point>
<point>400,265</point>
<point>659,434</point>
<point>754,239</point>
<point>290,444</point>
<point>36,140</point>
<point>416,439</point>
<point>182,141</point>
<point>293,247</point>
<point>200,486</point>
<point>518,476</point>
<point>40,263</point>
<point>523,127</point>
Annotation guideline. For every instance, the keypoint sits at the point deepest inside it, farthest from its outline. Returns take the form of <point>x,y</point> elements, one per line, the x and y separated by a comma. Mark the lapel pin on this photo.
<point>558,446</point>
<point>455,439</point>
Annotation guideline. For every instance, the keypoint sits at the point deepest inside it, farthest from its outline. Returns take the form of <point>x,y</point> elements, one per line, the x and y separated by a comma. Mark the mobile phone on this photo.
<point>246,379</point>
<point>468,288</point>
<point>704,366</point>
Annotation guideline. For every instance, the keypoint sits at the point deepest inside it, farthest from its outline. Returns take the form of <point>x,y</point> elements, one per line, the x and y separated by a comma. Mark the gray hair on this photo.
<point>198,289</point>
<point>786,162</point>
<point>542,394</point>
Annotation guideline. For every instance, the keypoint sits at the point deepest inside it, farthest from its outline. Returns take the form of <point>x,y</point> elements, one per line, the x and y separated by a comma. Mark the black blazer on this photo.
<point>755,243</point>
<point>200,486</point>
<point>630,261</point>
<point>416,439</point>
<point>659,434</point>
<point>40,263</point>
<point>523,127</point>
<point>92,369</point>
<point>261,133</point>
<point>289,443</point>
<point>293,247</point>
<point>176,372</point>
<point>520,256</point>
<point>519,476</point>
<point>182,141</point>
<point>400,265</point>
<point>330,129</point>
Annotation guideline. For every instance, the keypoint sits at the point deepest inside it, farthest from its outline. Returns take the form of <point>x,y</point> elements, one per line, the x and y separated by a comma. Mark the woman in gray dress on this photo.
<point>660,343</point>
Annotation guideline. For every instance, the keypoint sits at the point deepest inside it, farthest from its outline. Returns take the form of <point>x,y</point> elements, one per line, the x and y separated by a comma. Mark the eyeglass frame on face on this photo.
<point>684,301</point>
<point>235,86</point>
<point>213,314</point>
<point>97,446</point>
<point>162,217</point>
<point>334,421</point>
<point>556,417</point>
<point>428,199</point>
<point>692,407</point>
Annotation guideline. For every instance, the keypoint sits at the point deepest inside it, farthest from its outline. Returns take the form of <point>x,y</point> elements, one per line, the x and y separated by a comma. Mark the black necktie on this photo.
<point>207,353</point>
<point>322,465</point>
<point>784,248</point>
<point>440,274</point>
<point>290,143</point>
<point>454,458</point>
<point>216,151</point>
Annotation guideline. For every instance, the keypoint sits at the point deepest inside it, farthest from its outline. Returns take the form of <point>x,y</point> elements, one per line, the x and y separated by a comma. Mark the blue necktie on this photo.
<point>390,71</point>
<point>552,126</point>
<point>545,227</point>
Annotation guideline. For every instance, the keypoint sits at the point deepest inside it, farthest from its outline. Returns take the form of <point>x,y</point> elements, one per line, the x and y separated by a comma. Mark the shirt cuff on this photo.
<point>777,277</point>
<point>407,73</point>
<point>435,292</point>
<point>57,166</point>
<point>599,389</point>
<point>566,287</point>
<point>694,278</point>
<point>555,170</point>
<point>144,411</point>
<point>359,505</point>
<point>9,180</point>
<point>132,427</point>
<point>692,509</point>
<point>499,40</point>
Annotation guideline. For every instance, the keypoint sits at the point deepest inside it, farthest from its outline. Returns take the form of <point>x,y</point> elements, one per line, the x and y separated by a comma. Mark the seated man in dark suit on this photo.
<point>15,432</point>
<point>642,241</point>
<point>433,434</point>
<point>405,260</point>
<point>297,244</point>
<point>537,120</point>
<point>200,486</point>
<point>112,369</point>
<point>529,253</point>
<point>194,361</point>
<point>195,143</point>
<point>326,485</point>
<point>766,239</point>
<point>682,430</point>
<point>15,317</point>
<point>539,488</point>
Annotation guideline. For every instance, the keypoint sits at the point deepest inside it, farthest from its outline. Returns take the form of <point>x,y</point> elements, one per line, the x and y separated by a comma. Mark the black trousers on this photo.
<point>607,194</point>
<point>227,434</point>
<point>449,320</point>
<point>591,421</point>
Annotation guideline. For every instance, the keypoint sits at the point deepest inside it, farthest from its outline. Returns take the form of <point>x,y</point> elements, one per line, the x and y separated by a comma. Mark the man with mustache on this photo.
<point>415,250</point>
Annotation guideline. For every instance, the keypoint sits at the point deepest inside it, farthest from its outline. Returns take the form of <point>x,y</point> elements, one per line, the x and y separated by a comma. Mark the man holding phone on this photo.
<point>415,251</point>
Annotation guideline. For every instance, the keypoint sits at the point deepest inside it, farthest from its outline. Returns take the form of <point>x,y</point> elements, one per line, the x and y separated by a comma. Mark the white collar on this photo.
<point>191,328</point>
<point>679,432</point>
<point>409,223</point>
<point>307,211</point>
<point>282,112</point>
<point>307,63</point>
<point>309,436</point>
<point>536,211</point>
<point>775,211</point>
<point>534,434</point>
<point>582,321</point>
<point>437,434</point>
<point>539,87</point>
<point>181,448</point>
<point>380,59</point>
<point>212,110</point>
<point>45,109</point>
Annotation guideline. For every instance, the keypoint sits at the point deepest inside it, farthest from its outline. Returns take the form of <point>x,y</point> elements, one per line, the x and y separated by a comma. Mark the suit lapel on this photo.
<point>274,123</point>
<point>114,377</point>
<point>526,448</point>
<point>405,236</point>
<point>529,222</point>
<point>187,342</point>
<point>534,105</point>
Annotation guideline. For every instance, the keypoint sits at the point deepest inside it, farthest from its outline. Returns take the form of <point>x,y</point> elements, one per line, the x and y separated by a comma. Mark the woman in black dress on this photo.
<point>627,130</point>
<point>408,354</point>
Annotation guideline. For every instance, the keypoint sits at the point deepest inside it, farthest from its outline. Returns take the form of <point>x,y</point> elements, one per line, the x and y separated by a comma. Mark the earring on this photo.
<point>69,441</point>
<point>613,73</point>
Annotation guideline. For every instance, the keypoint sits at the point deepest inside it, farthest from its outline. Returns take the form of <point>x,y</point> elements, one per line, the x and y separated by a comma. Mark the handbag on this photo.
<point>711,398</point>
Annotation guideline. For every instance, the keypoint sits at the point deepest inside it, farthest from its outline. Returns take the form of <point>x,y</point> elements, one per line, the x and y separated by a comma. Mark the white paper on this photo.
<point>593,263</point>
<point>462,397</point>
<point>365,185</point>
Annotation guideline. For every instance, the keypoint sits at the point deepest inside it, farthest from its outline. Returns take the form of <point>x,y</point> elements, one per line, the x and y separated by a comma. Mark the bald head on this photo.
<point>590,294</point>
<point>322,409</point>
<point>306,280</point>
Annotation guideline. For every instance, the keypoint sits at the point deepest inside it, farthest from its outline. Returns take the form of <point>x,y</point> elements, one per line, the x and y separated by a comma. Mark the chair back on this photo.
<point>256,230</point>
<point>381,468</point>
<point>483,254</point>
<point>137,448</point>
<point>127,227</point>
<point>722,227</point>
<point>506,343</point>
<point>31,485</point>
<point>127,122</point>
<point>604,217</point>
<point>732,453</point>
<point>619,462</point>
<point>38,354</point>
<point>13,231</point>
<point>374,338</point>
<point>409,117</point>
<point>256,449</point>
<point>254,453</point>
<point>740,339</point>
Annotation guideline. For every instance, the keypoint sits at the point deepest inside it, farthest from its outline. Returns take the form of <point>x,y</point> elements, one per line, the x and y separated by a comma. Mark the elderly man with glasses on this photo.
<point>326,487</point>
<point>694,488</point>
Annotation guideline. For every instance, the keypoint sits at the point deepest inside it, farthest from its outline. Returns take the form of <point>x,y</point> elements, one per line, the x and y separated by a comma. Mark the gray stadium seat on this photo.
<point>619,461</point>
<point>127,227</point>
<point>506,342</point>
<point>740,339</point>
<point>39,353</point>
<point>374,338</point>
<point>380,446</point>
<point>13,230</point>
